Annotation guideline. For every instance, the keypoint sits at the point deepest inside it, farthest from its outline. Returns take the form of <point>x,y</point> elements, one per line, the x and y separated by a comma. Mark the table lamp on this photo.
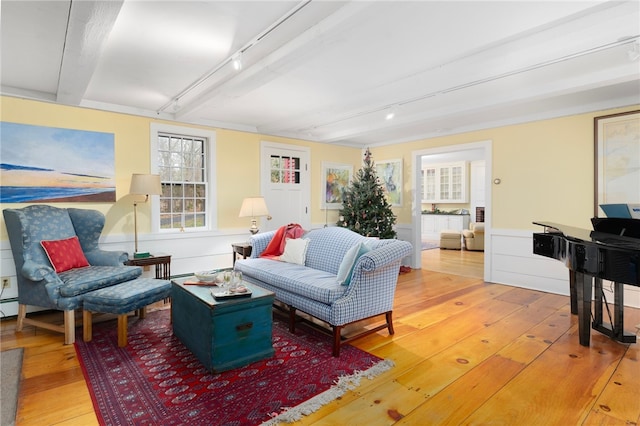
<point>254,207</point>
<point>142,184</point>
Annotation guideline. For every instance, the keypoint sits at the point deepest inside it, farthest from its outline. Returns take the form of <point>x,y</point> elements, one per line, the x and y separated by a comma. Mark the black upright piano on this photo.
<point>611,251</point>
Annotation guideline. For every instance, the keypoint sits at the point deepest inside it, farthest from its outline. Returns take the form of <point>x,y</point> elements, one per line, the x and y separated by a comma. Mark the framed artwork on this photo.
<point>335,179</point>
<point>390,174</point>
<point>48,164</point>
<point>617,159</point>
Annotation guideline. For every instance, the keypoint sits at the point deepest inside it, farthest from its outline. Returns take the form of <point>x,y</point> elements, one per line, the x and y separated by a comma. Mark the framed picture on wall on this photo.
<point>335,179</point>
<point>617,159</point>
<point>390,174</point>
<point>54,165</point>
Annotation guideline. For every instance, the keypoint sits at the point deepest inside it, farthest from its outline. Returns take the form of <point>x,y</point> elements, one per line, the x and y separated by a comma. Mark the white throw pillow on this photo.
<point>363,248</point>
<point>347,263</point>
<point>295,250</point>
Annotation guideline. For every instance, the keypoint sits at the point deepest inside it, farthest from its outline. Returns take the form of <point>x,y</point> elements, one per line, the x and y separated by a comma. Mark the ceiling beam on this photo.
<point>88,28</point>
<point>271,66</point>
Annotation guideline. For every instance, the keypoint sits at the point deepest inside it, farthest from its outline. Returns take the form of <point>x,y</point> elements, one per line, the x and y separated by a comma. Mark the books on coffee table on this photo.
<point>195,281</point>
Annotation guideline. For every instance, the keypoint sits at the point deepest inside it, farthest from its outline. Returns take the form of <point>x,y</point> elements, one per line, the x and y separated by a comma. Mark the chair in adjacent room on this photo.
<point>474,236</point>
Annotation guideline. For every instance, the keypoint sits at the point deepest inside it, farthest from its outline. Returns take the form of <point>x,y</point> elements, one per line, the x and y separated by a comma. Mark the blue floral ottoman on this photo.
<point>120,300</point>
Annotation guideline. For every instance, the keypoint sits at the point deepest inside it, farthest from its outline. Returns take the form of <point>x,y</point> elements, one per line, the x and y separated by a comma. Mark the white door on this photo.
<point>285,184</point>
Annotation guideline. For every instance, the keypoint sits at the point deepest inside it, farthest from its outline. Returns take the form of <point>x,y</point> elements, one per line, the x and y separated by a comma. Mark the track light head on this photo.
<point>237,61</point>
<point>391,113</point>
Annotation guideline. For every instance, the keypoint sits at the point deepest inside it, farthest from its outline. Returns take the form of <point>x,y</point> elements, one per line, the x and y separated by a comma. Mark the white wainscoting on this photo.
<point>405,233</point>
<point>512,260</point>
<point>190,252</point>
<point>513,263</point>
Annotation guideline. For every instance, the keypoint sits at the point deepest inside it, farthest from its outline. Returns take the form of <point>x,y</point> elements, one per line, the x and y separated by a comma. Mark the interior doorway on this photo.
<point>482,150</point>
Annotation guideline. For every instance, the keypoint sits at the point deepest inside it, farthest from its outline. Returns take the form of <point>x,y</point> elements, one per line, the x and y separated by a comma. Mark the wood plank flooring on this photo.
<point>465,352</point>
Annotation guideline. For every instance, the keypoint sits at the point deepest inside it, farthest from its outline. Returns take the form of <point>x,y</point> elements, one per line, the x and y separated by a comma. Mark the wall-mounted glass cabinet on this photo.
<point>445,183</point>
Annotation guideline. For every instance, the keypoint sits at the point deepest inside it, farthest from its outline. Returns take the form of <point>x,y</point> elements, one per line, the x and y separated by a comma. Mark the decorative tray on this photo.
<point>223,295</point>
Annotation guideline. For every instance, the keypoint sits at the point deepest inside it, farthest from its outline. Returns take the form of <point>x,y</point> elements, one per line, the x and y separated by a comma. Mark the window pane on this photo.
<point>177,191</point>
<point>183,171</point>
<point>188,191</point>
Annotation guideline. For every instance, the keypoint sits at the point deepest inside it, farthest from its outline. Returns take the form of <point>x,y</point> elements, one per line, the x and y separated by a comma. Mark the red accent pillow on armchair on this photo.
<point>65,254</point>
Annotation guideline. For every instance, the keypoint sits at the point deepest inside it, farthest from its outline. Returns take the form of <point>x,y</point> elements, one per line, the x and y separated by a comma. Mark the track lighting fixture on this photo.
<point>391,112</point>
<point>237,61</point>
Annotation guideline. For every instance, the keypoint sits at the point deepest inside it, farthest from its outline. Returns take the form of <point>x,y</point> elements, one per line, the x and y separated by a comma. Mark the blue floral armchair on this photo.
<point>38,282</point>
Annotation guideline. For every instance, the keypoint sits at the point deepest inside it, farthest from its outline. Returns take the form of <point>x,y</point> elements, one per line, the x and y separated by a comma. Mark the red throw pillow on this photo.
<point>65,254</point>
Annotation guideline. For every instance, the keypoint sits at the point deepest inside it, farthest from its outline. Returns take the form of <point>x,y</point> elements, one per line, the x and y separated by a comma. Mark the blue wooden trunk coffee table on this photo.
<point>222,334</point>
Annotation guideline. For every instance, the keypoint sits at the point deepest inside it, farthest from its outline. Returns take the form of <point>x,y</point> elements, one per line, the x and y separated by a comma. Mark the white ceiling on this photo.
<point>327,71</point>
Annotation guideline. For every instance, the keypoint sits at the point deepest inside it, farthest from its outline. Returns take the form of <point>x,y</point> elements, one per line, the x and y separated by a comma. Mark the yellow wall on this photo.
<point>546,167</point>
<point>238,163</point>
<point>239,167</point>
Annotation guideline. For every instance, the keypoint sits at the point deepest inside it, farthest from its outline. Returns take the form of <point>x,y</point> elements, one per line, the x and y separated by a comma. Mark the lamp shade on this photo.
<point>253,207</point>
<point>142,184</point>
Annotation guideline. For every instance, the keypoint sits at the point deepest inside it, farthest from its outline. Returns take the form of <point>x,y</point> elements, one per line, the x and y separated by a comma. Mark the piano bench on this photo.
<point>450,239</point>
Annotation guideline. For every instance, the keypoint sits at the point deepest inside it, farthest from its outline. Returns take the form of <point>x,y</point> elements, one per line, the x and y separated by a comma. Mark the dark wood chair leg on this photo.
<point>292,319</point>
<point>389,316</point>
<point>337,340</point>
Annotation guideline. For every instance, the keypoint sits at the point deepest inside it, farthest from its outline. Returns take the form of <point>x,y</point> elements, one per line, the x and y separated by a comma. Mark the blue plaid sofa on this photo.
<point>38,282</point>
<point>313,288</point>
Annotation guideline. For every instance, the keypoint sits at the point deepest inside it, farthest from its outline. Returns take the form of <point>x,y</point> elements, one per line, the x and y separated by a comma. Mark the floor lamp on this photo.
<point>142,184</point>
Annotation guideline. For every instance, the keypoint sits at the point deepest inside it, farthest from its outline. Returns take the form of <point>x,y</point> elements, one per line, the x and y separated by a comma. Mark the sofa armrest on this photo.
<point>259,242</point>
<point>384,255</point>
<point>379,267</point>
<point>106,257</point>
<point>373,284</point>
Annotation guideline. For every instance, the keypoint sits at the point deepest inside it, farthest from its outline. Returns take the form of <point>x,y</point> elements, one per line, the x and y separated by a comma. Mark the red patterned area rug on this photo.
<point>156,380</point>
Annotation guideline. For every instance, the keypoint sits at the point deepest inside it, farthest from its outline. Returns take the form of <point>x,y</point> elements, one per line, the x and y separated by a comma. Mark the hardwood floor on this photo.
<point>455,262</point>
<point>465,352</point>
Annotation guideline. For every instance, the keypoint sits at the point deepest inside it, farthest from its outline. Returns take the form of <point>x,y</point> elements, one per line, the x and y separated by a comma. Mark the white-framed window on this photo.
<point>184,158</point>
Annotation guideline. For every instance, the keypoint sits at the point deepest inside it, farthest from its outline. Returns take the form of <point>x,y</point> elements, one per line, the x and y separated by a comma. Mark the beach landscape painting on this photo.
<point>47,165</point>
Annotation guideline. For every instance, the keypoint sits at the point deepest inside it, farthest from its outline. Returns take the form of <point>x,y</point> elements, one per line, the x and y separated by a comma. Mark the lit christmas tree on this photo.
<point>365,209</point>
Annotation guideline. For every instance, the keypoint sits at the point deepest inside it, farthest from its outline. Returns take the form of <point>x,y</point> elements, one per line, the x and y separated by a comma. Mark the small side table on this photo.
<point>162,263</point>
<point>243,249</point>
